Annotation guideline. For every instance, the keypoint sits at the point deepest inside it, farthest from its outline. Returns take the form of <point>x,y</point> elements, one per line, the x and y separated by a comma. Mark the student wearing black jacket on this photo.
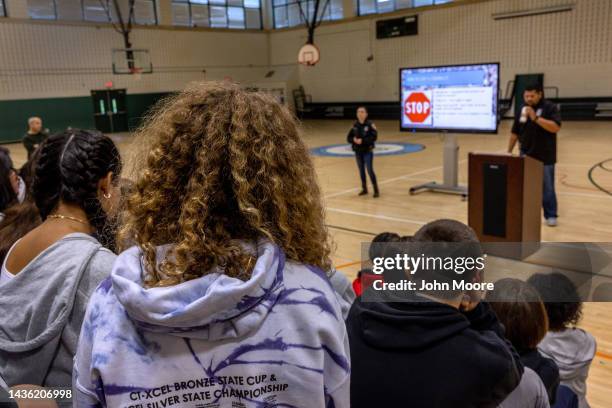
<point>430,350</point>
<point>362,137</point>
<point>520,309</point>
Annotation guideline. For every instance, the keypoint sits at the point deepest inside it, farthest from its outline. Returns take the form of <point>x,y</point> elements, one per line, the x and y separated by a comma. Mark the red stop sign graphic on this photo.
<point>417,107</point>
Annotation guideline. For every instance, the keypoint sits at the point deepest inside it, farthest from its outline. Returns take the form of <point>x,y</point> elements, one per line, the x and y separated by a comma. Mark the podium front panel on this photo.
<point>495,183</point>
<point>495,187</point>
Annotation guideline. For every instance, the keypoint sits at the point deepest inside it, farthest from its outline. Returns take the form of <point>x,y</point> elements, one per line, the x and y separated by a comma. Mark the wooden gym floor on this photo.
<point>585,213</point>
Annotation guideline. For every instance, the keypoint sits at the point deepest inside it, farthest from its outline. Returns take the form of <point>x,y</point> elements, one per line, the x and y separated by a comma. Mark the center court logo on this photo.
<point>382,149</point>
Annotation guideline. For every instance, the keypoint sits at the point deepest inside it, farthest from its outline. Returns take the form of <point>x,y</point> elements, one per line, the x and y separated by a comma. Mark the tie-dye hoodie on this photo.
<point>276,340</point>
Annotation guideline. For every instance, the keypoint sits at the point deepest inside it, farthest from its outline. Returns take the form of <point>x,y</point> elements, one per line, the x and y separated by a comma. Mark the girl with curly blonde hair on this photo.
<point>221,295</point>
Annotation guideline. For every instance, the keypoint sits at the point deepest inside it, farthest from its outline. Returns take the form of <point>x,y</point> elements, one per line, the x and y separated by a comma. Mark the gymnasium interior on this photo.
<point>76,64</point>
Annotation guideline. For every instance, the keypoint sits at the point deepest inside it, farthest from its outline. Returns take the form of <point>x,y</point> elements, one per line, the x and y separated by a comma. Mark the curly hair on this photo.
<point>224,165</point>
<point>69,167</point>
<point>561,299</point>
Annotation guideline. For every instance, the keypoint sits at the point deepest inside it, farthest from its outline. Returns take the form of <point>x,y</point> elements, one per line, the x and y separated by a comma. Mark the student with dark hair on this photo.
<point>27,171</point>
<point>49,274</point>
<point>365,277</point>
<point>535,127</point>
<point>12,187</point>
<point>21,217</point>
<point>571,348</point>
<point>519,308</point>
<point>362,138</point>
<point>223,298</point>
<point>18,221</point>
<point>428,349</point>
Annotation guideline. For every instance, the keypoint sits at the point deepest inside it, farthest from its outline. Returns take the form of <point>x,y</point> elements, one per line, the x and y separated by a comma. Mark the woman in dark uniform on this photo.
<point>362,136</point>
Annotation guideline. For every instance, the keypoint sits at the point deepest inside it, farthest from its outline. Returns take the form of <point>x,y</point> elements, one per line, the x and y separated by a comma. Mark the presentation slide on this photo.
<point>461,98</point>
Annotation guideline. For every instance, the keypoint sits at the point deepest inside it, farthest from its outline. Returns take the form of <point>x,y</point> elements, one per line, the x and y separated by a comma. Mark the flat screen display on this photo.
<point>457,98</point>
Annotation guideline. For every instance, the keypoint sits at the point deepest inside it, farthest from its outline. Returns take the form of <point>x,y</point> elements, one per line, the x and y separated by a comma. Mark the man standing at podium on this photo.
<point>535,127</point>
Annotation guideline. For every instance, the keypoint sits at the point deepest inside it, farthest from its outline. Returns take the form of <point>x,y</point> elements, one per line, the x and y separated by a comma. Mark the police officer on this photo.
<point>362,136</point>
<point>535,127</point>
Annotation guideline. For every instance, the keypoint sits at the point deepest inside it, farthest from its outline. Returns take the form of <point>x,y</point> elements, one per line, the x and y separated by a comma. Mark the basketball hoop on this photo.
<point>136,73</point>
<point>309,55</point>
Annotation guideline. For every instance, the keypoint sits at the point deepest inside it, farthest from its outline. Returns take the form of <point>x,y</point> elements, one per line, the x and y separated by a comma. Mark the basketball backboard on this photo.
<point>132,61</point>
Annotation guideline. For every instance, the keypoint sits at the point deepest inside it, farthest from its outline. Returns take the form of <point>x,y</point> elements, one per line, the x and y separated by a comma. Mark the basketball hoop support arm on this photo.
<point>312,25</point>
<point>450,184</point>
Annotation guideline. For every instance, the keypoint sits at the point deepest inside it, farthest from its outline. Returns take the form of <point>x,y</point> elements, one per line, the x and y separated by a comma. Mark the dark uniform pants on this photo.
<point>364,161</point>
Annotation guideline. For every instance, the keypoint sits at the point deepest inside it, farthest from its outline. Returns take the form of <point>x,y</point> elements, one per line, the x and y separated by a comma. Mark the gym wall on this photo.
<point>48,68</point>
<point>573,49</point>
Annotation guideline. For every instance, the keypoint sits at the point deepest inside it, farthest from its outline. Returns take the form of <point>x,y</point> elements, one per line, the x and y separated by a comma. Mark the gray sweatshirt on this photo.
<point>42,309</point>
<point>344,291</point>
<point>530,393</point>
<point>573,350</point>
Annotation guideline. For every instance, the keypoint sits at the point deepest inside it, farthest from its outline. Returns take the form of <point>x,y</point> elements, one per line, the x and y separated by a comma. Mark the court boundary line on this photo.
<point>410,175</point>
<point>356,231</point>
<point>381,217</point>
<point>387,181</point>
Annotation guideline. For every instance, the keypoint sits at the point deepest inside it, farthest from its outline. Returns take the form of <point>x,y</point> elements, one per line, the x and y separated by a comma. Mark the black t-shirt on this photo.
<point>32,139</point>
<point>536,141</point>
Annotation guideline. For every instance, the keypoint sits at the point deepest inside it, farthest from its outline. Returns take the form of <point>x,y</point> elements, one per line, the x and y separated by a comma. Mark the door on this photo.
<point>110,113</point>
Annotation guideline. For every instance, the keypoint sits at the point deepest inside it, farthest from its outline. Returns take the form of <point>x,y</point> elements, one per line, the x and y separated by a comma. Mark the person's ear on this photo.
<point>105,186</point>
<point>106,192</point>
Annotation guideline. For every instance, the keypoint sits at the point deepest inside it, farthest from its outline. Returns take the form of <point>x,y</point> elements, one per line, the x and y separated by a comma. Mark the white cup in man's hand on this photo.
<point>524,114</point>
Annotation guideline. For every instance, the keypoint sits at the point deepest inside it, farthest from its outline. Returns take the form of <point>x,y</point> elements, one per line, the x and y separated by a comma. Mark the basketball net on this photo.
<point>136,73</point>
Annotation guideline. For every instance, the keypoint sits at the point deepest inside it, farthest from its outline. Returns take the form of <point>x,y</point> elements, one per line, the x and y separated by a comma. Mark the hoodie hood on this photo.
<point>43,307</point>
<point>38,301</point>
<point>212,307</point>
<point>572,349</point>
<point>407,325</point>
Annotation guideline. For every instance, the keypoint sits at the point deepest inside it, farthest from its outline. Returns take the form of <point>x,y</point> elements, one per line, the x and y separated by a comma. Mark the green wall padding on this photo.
<point>59,113</point>
<point>56,113</point>
<point>139,104</point>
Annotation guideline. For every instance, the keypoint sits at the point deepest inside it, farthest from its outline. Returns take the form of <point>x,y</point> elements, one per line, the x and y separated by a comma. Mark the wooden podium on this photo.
<point>505,199</point>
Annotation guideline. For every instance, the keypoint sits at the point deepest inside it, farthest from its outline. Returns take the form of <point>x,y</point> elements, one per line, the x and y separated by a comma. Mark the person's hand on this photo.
<point>530,113</point>
<point>36,146</point>
<point>358,140</point>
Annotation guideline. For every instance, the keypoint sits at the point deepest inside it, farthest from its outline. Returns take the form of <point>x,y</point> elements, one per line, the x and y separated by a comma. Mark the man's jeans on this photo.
<point>549,197</point>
